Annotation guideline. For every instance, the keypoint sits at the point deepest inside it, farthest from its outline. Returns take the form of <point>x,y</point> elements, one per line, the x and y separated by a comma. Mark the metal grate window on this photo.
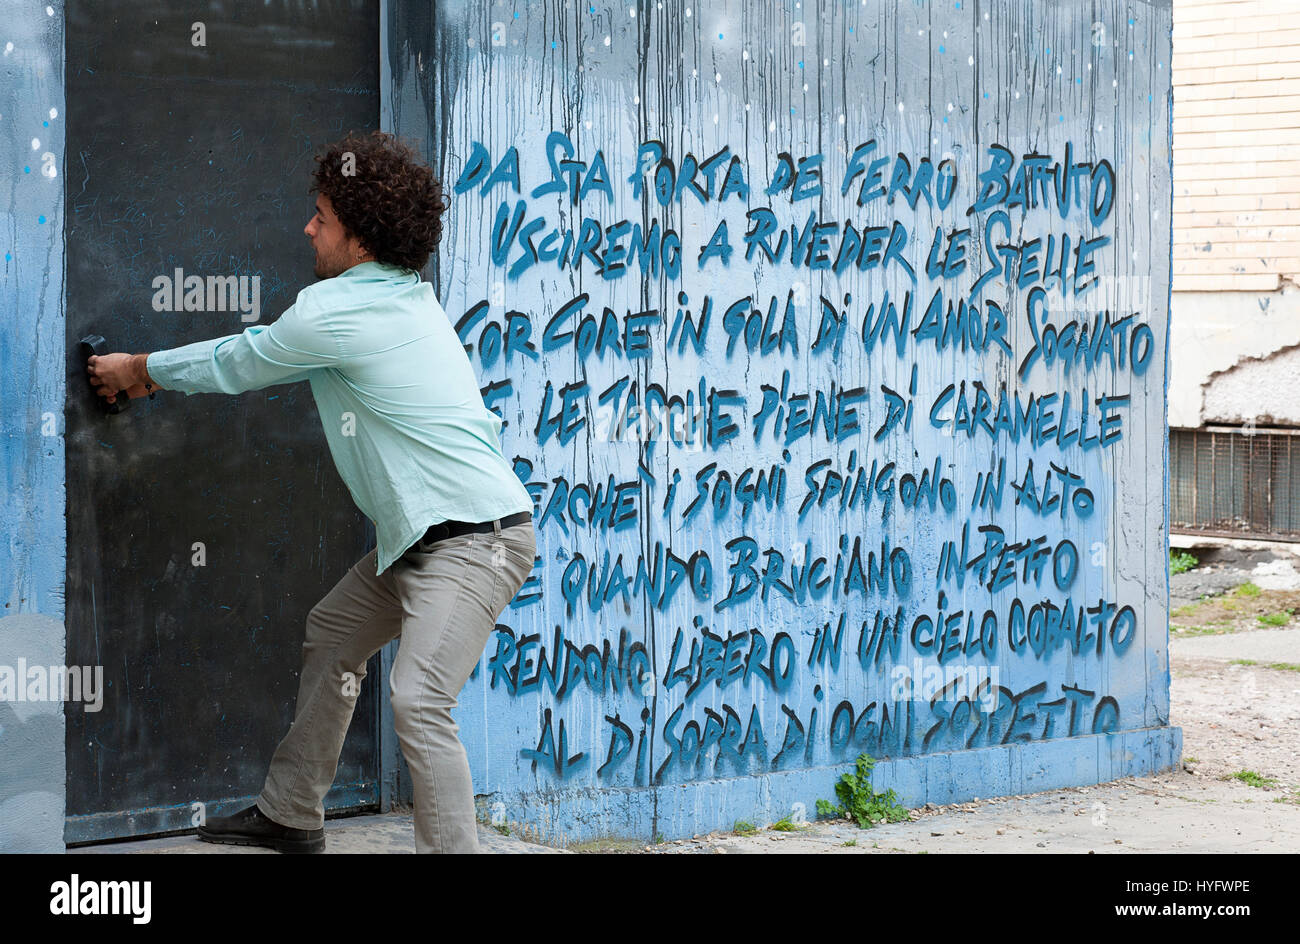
<point>1239,482</point>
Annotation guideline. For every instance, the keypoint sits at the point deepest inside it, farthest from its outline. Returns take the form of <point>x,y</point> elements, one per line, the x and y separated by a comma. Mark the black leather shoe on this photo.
<point>251,827</point>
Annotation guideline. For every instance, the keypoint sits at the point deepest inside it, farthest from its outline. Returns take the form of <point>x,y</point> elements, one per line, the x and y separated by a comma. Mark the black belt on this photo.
<point>450,529</point>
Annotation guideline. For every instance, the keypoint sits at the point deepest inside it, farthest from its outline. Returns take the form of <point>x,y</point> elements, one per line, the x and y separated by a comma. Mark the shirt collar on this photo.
<point>378,270</point>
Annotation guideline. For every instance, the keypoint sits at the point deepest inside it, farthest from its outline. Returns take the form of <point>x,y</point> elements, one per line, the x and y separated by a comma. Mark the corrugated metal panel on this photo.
<point>1238,482</point>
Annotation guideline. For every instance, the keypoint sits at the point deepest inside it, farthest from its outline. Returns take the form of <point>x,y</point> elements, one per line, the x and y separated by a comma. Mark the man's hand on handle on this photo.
<point>112,374</point>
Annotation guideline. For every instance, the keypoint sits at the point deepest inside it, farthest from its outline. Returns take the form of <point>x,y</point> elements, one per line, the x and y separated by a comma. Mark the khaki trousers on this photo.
<point>443,600</point>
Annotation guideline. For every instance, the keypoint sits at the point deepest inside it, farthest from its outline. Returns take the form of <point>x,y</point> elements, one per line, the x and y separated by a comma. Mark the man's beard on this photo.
<point>327,267</point>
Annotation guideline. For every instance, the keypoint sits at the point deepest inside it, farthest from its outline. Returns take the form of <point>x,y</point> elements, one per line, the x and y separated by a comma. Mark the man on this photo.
<point>421,456</point>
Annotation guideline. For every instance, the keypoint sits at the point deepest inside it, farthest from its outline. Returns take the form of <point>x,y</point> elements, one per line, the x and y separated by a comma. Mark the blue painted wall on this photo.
<point>716,686</point>
<point>32,554</point>
<point>889,453</point>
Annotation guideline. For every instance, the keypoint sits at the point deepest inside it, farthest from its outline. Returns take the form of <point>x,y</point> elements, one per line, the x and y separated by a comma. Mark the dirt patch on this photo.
<point>1247,607</point>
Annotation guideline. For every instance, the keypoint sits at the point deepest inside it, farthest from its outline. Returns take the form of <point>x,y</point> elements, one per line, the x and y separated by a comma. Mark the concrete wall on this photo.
<point>31,426</point>
<point>1231,359</point>
<point>701,642</point>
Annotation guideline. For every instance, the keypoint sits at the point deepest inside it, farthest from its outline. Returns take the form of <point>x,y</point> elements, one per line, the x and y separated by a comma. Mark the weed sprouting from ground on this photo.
<point>859,801</point>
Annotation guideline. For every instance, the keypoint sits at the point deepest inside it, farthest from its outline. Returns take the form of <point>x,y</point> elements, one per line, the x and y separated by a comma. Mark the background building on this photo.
<point>1234,389</point>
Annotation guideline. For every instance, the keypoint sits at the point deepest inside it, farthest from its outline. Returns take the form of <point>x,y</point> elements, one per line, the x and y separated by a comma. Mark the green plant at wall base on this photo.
<point>1275,619</point>
<point>1280,666</point>
<point>1181,562</point>
<point>744,828</point>
<point>1254,779</point>
<point>784,825</point>
<point>860,802</point>
<point>1247,590</point>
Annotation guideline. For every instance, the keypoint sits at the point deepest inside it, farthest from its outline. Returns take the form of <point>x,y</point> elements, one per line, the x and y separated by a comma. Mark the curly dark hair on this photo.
<point>392,203</point>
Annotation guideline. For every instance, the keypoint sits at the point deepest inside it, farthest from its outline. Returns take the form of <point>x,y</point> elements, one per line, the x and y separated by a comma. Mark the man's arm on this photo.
<point>264,355</point>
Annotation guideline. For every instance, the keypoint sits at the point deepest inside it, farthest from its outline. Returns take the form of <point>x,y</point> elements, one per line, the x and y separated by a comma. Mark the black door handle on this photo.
<point>96,345</point>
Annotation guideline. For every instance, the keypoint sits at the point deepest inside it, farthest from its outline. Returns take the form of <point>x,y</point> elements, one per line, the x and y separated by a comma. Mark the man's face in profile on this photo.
<point>336,250</point>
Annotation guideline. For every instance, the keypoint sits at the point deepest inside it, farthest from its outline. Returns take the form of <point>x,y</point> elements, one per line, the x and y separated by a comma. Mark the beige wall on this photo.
<point>1236,308</point>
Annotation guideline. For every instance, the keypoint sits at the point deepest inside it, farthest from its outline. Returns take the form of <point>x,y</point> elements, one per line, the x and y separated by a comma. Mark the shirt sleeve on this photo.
<point>264,355</point>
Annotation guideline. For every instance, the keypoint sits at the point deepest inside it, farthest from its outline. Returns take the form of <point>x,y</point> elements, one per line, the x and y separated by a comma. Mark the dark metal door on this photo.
<point>201,529</point>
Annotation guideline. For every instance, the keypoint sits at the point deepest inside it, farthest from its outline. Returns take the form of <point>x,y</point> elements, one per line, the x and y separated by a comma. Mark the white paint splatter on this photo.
<point>36,144</point>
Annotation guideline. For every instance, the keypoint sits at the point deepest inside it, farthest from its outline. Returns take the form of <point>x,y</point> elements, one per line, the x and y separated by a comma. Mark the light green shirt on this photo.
<point>400,404</point>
